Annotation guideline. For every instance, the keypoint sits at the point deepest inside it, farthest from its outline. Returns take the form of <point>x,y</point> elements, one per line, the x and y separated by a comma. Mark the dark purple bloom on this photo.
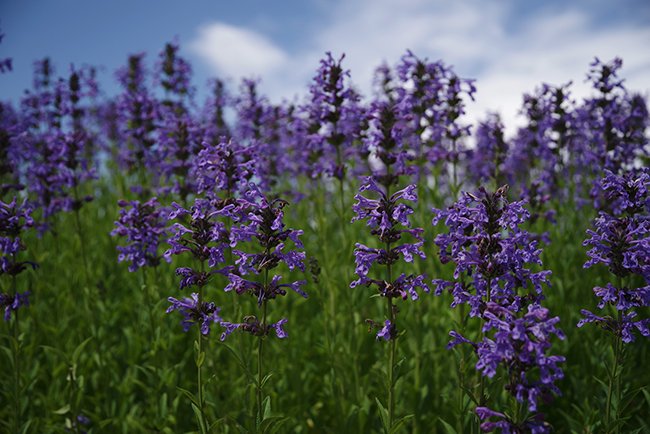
<point>486,244</point>
<point>334,121</point>
<point>533,424</point>
<point>622,242</point>
<point>195,311</point>
<point>387,216</point>
<point>223,169</point>
<point>144,226</point>
<point>387,332</point>
<point>261,226</point>
<point>14,219</point>
<point>486,161</point>
<point>253,326</point>
<point>137,111</point>
<point>431,100</point>
<point>11,304</point>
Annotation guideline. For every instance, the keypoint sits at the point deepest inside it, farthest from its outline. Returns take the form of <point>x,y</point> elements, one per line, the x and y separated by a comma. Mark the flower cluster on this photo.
<point>136,112</point>
<point>223,169</point>
<point>486,244</point>
<point>538,160</point>
<point>493,256</point>
<point>14,219</point>
<point>621,241</point>
<point>486,160</point>
<point>201,234</point>
<point>387,216</point>
<point>335,121</point>
<point>264,227</point>
<point>195,311</point>
<point>431,98</point>
<point>144,226</point>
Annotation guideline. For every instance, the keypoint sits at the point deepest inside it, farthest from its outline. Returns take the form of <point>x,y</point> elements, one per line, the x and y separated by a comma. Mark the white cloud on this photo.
<point>237,52</point>
<point>478,38</point>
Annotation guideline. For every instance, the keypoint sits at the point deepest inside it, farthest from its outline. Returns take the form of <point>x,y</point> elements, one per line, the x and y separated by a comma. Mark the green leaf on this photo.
<point>266,378</point>
<point>199,419</point>
<point>266,404</point>
<point>448,428</point>
<point>77,352</point>
<point>63,410</point>
<point>400,422</point>
<point>200,359</point>
<point>272,424</point>
<point>188,394</point>
<point>383,414</point>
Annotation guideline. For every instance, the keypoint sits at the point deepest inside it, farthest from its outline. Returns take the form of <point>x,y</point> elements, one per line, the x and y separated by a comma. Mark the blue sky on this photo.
<point>508,46</point>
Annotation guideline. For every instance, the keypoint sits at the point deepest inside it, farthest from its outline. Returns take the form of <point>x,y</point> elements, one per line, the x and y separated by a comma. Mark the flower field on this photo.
<point>335,263</point>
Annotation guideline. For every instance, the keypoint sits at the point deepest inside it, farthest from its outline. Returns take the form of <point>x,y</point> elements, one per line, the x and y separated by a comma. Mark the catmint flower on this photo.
<point>195,311</point>
<point>487,245</point>
<point>612,127</point>
<point>263,226</point>
<point>173,73</point>
<point>486,161</point>
<point>223,169</point>
<point>334,121</point>
<point>431,100</point>
<point>622,243</point>
<point>519,343</point>
<point>199,232</point>
<point>144,226</point>
<point>538,160</point>
<point>14,219</point>
<point>137,111</point>
<point>10,303</point>
<point>253,326</point>
<point>493,274</point>
<point>534,424</point>
<point>387,216</point>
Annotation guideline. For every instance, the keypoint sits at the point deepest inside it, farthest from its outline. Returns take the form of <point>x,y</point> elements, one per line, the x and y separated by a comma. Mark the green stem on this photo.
<point>614,381</point>
<point>15,348</point>
<point>260,347</point>
<point>199,364</point>
<point>149,301</point>
<point>392,347</point>
<point>80,234</point>
<point>391,369</point>
<point>481,397</point>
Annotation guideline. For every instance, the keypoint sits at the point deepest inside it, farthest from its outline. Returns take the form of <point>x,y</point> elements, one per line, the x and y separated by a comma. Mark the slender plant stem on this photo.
<point>614,381</point>
<point>15,348</point>
<point>80,234</point>
<point>392,348</point>
<point>149,301</point>
<point>199,362</point>
<point>260,348</point>
<point>481,397</point>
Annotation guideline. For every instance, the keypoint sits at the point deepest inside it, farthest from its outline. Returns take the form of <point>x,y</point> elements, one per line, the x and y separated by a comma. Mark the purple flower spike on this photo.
<point>387,332</point>
<point>492,256</point>
<point>387,217</point>
<point>621,241</point>
<point>11,304</point>
<point>144,226</point>
<point>195,312</point>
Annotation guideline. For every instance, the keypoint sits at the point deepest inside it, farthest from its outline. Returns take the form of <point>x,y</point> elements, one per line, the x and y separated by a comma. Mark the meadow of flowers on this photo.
<point>336,263</point>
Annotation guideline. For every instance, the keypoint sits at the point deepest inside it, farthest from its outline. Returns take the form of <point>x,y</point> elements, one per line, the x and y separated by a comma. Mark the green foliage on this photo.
<point>106,349</point>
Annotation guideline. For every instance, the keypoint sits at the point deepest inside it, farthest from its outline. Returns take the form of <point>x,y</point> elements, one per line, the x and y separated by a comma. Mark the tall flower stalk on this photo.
<point>494,275</point>
<point>265,230</point>
<point>14,219</point>
<point>620,240</point>
<point>200,234</point>
<point>388,217</point>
